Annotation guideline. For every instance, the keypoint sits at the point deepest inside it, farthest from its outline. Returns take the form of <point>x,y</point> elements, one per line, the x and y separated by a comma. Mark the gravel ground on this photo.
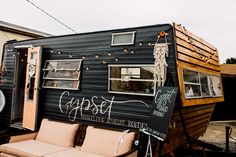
<point>216,134</point>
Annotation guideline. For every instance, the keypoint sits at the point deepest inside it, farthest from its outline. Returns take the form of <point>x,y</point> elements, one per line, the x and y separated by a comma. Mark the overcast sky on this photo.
<point>213,20</point>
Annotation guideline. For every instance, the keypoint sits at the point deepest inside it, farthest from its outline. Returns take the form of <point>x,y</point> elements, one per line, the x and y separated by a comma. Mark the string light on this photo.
<point>9,49</point>
<point>163,34</point>
<point>97,55</point>
<point>112,56</point>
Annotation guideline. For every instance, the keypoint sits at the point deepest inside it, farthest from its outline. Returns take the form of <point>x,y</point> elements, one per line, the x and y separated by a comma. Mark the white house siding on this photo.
<point>6,36</point>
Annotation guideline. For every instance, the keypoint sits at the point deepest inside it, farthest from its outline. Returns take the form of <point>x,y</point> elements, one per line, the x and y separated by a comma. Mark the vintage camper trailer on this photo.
<point>110,78</point>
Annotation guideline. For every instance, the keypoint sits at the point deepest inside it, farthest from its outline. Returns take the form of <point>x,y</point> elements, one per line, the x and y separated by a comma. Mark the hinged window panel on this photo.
<point>62,74</point>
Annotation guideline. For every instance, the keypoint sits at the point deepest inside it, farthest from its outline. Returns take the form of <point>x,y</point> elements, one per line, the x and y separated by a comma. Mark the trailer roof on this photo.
<point>100,31</point>
<point>228,69</point>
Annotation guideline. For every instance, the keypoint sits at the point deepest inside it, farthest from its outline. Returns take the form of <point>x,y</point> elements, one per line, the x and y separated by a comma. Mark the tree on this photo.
<point>231,60</point>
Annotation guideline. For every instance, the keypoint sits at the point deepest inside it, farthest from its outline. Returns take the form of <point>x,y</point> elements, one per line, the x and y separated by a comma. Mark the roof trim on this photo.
<point>228,69</point>
<point>22,30</point>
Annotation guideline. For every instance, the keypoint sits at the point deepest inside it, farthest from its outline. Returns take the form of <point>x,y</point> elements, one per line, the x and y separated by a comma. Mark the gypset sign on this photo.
<point>96,109</point>
<point>161,112</point>
<point>99,109</point>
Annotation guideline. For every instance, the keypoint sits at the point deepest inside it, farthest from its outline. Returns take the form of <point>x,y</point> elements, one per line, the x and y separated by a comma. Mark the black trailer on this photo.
<point>111,78</point>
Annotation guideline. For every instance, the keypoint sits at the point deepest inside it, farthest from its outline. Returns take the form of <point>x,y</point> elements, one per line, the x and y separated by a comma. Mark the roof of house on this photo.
<point>22,30</point>
<point>228,69</point>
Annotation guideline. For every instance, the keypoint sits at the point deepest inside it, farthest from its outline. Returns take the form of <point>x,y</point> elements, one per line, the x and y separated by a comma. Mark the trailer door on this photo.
<point>32,81</point>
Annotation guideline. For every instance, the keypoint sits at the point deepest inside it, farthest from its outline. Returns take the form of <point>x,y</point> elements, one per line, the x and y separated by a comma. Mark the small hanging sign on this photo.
<point>161,112</point>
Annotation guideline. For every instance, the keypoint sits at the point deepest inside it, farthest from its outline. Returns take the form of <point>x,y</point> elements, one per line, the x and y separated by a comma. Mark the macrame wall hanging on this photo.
<point>160,66</point>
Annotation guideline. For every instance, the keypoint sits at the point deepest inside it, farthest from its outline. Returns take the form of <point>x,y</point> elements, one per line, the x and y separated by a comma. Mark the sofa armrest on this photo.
<point>132,153</point>
<point>18,138</point>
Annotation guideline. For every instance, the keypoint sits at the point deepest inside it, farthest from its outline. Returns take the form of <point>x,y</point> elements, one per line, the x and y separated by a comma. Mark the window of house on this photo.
<point>131,79</point>
<point>198,85</point>
<point>124,38</point>
<point>62,74</point>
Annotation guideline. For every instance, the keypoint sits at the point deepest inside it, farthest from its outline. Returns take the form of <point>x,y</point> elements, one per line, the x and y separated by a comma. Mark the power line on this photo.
<point>51,16</point>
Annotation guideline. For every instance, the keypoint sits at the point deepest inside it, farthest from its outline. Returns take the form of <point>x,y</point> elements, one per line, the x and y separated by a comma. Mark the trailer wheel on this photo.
<point>2,101</point>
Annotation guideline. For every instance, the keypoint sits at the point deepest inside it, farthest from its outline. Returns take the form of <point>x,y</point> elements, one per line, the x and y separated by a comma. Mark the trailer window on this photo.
<point>131,79</point>
<point>215,86</point>
<point>62,74</point>
<point>124,38</point>
<point>198,85</point>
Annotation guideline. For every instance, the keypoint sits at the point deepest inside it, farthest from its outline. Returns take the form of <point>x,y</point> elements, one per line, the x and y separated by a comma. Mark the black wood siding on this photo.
<point>6,84</point>
<point>94,82</point>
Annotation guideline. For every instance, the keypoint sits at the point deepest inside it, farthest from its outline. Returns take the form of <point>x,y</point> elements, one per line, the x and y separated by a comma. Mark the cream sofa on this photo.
<point>56,139</point>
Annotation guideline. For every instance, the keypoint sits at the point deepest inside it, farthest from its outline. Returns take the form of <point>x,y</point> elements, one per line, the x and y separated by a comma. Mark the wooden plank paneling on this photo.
<point>197,68</point>
<point>193,51</point>
<point>196,119</point>
<point>192,60</point>
<point>195,54</point>
<point>184,37</point>
<point>196,50</point>
<point>193,36</point>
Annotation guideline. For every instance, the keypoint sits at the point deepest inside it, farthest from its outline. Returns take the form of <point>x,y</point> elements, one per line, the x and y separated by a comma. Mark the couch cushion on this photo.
<point>58,133</point>
<point>6,155</point>
<point>73,152</point>
<point>30,148</point>
<point>107,142</point>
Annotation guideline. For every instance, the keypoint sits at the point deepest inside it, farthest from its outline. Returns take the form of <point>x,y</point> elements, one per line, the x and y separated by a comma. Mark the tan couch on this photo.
<point>56,139</point>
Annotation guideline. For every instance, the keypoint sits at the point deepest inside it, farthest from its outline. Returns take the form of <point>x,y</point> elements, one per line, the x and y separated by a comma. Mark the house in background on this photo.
<point>225,110</point>
<point>10,31</point>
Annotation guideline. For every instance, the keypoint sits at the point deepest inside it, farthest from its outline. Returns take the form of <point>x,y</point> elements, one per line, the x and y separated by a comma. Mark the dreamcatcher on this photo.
<point>160,53</point>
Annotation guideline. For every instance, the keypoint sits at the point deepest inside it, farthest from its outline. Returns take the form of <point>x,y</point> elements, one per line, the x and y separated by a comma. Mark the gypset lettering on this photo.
<point>161,101</point>
<point>74,108</point>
